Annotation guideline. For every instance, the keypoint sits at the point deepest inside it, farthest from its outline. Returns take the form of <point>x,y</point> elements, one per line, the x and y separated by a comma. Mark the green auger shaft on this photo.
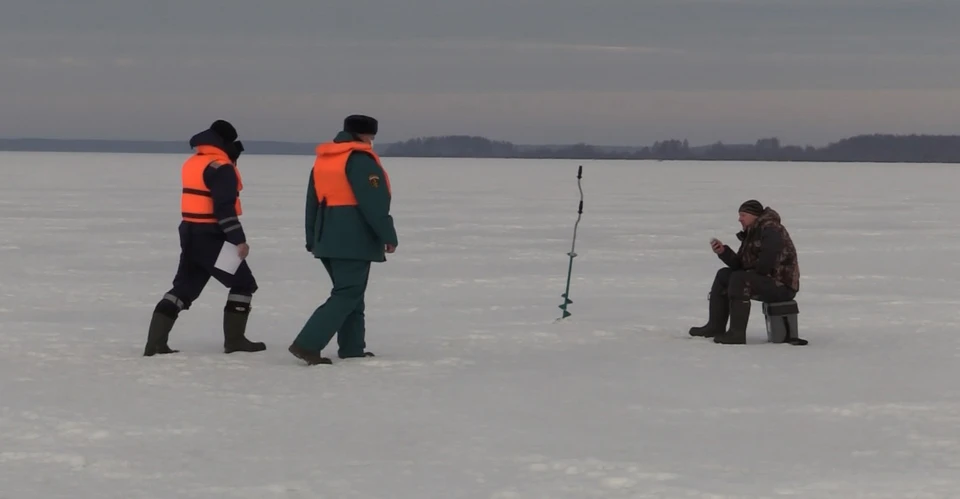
<point>572,254</point>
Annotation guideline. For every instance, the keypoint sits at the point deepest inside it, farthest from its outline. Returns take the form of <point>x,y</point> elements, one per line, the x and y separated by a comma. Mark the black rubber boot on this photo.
<point>164,316</point>
<point>234,329</point>
<point>739,317</point>
<point>716,323</point>
<point>158,335</point>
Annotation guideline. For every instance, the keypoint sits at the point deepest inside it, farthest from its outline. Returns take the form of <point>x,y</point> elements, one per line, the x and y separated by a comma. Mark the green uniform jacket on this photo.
<point>353,232</point>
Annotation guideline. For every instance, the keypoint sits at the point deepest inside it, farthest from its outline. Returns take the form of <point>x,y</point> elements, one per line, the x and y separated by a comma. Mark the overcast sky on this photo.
<point>529,71</point>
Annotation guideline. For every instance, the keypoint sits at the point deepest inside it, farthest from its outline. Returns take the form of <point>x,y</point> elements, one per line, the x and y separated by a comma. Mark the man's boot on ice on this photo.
<point>235,314</point>
<point>739,316</point>
<point>164,316</point>
<point>717,321</point>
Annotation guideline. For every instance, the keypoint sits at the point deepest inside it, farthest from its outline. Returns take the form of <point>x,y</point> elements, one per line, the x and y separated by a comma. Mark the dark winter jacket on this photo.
<point>767,249</point>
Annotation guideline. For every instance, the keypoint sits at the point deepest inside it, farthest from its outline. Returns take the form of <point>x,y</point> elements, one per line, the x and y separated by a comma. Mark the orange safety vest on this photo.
<point>196,202</point>
<point>330,175</point>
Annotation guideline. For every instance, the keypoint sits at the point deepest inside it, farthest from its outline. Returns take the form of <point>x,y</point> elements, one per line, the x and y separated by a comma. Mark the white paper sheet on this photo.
<point>229,260</point>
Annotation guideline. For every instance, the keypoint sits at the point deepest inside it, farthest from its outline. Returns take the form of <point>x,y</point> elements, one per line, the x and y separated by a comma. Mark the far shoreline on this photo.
<point>877,148</point>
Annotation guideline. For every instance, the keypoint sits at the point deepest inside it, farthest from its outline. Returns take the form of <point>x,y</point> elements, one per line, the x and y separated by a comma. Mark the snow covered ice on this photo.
<point>475,391</point>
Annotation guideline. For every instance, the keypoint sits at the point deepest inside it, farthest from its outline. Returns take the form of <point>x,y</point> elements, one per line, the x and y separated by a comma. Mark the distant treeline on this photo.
<point>861,148</point>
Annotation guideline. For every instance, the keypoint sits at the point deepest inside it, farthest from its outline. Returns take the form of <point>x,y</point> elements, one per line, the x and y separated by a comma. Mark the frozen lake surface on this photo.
<point>475,392</point>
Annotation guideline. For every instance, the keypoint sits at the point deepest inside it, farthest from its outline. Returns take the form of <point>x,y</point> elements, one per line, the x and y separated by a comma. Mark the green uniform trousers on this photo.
<point>343,312</point>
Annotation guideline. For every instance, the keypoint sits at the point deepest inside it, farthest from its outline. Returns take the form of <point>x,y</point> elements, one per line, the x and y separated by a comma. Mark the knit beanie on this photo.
<point>752,207</point>
<point>225,130</point>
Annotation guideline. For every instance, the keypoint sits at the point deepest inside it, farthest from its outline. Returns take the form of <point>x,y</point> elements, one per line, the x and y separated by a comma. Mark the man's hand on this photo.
<point>390,248</point>
<point>716,245</point>
<point>243,250</point>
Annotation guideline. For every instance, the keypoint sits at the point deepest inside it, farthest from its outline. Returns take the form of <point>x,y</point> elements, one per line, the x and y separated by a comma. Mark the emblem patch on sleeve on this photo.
<point>374,180</point>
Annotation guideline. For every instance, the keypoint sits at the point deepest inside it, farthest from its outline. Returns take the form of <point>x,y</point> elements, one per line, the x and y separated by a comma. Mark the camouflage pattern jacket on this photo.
<point>766,248</point>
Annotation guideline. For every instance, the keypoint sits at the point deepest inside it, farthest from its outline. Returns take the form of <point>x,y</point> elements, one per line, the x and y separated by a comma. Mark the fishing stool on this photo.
<point>781,319</point>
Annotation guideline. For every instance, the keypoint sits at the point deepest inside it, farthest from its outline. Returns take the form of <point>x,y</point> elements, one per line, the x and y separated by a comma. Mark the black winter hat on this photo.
<point>751,206</point>
<point>225,130</point>
<point>360,124</point>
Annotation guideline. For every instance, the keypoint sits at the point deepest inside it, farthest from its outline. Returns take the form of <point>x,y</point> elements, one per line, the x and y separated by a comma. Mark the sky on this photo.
<point>610,72</point>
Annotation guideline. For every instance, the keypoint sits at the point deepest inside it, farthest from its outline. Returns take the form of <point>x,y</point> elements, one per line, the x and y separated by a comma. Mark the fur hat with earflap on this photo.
<point>359,124</point>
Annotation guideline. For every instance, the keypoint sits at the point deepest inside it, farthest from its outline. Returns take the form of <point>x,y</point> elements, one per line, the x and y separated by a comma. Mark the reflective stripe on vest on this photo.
<point>196,202</point>
<point>330,172</point>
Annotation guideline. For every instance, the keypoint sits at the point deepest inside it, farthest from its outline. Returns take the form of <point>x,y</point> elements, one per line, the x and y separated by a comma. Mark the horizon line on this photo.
<point>555,144</point>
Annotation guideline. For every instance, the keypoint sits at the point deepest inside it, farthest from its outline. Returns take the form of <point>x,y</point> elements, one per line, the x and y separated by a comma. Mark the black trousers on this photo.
<point>199,249</point>
<point>746,285</point>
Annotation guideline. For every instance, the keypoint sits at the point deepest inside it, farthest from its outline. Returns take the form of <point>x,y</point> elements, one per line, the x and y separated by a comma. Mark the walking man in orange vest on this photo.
<point>348,226</point>
<point>210,206</point>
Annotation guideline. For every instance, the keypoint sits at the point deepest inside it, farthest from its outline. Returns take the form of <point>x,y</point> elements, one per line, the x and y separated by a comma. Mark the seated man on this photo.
<point>764,268</point>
